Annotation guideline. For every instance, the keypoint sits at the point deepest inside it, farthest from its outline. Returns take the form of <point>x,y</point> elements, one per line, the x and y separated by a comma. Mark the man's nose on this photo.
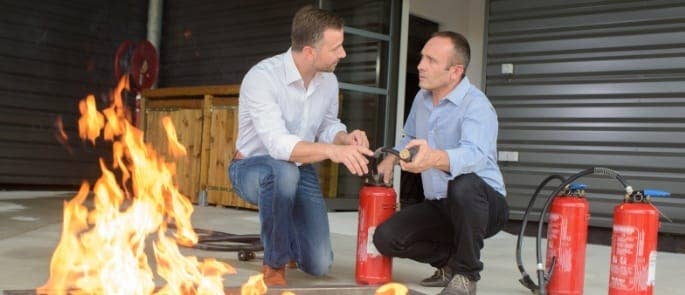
<point>420,66</point>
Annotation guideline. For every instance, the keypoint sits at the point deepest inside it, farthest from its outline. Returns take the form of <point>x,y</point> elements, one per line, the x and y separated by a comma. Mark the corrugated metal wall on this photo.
<point>595,83</point>
<point>53,53</point>
<point>216,42</point>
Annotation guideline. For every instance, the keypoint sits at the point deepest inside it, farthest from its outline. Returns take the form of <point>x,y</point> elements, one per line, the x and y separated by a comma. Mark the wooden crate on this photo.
<point>185,121</point>
<point>206,121</point>
<point>222,136</point>
<point>328,178</point>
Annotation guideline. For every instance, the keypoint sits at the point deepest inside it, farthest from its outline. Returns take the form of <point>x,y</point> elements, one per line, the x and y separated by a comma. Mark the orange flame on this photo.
<point>175,148</point>
<point>102,247</point>
<point>116,113</point>
<point>59,126</point>
<point>392,289</point>
<point>91,120</point>
<point>61,136</point>
<point>254,286</point>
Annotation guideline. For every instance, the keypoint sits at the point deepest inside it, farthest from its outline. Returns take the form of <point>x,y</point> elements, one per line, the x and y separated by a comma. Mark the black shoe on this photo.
<point>440,278</point>
<point>460,285</point>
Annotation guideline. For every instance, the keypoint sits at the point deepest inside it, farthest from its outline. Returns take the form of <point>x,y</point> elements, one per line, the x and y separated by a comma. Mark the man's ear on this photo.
<point>457,72</point>
<point>308,51</point>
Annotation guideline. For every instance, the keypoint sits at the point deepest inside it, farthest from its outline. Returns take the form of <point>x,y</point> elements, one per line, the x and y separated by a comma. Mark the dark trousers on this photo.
<point>412,189</point>
<point>448,231</point>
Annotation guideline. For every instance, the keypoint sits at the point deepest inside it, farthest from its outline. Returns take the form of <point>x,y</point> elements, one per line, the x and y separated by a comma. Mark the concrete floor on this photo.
<point>30,225</point>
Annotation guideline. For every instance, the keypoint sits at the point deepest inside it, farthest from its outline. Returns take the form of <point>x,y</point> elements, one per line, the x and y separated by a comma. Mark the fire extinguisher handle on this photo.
<point>652,193</point>
<point>373,177</point>
<point>407,155</point>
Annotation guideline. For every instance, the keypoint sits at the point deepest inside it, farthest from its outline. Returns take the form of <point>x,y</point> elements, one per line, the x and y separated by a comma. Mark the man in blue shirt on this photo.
<point>455,128</point>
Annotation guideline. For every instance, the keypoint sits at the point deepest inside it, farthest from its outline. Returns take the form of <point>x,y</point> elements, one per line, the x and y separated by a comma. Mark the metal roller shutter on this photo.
<point>595,83</point>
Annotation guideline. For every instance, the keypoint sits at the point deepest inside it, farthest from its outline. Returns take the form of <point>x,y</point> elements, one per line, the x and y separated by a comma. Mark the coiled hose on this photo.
<point>540,288</point>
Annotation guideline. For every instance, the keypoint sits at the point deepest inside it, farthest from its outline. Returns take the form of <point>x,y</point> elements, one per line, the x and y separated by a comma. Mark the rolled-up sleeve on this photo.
<point>331,125</point>
<point>479,132</point>
<point>409,130</point>
<point>260,99</point>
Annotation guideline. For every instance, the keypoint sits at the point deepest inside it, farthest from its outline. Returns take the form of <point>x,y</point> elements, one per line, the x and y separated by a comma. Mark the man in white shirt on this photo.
<point>288,118</point>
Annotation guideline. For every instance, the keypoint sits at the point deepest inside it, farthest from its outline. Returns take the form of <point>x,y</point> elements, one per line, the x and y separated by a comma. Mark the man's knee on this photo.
<point>384,240</point>
<point>320,265</point>
<point>462,190</point>
<point>283,176</point>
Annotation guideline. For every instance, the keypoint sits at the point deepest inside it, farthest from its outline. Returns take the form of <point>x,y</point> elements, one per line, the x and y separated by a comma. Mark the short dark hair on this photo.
<point>462,50</point>
<point>309,23</point>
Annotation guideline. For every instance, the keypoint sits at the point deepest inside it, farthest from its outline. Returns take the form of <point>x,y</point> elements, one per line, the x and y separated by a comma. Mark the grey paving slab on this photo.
<point>30,228</point>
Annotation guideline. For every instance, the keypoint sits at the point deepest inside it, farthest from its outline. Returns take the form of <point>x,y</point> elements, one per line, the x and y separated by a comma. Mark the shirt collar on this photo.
<point>291,72</point>
<point>456,96</point>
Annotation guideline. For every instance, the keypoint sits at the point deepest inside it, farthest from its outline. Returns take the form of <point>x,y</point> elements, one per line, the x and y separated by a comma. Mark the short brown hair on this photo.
<point>309,23</point>
<point>462,50</point>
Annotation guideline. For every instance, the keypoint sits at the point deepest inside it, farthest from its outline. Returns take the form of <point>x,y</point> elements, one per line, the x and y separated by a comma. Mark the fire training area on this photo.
<point>30,229</point>
<point>575,83</point>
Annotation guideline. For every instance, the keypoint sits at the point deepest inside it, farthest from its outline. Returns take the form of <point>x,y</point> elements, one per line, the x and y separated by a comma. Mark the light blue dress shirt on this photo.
<point>276,111</point>
<point>464,124</point>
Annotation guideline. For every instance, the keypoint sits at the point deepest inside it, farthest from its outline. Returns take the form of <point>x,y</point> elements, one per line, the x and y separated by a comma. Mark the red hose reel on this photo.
<point>139,61</point>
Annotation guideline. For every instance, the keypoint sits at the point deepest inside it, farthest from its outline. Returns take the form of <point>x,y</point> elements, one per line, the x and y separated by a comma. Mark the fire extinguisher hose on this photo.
<point>525,279</point>
<point>541,276</point>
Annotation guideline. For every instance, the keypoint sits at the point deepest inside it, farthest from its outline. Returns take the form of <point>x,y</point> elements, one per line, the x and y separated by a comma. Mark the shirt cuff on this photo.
<point>455,168</point>
<point>328,136</point>
<point>284,146</point>
<point>403,143</point>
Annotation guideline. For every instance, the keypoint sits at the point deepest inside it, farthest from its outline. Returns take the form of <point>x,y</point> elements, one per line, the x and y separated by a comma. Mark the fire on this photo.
<point>175,148</point>
<point>91,120</point>
<point>392,289</point>
<point>102,249</point>
<point>61,135</point>
<point>254,286</point>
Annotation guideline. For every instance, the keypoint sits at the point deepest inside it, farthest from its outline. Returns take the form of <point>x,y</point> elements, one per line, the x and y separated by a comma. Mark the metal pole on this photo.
<point>154,25</point>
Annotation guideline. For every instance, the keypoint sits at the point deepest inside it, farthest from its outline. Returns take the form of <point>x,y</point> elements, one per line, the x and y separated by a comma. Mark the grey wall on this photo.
<point>595,83</point>
<point>216,42</point>
<point>53,53</point>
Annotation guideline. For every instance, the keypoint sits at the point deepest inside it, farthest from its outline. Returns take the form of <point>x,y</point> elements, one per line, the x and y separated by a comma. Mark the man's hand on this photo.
<point>356,137</point>
<point>386,167</point>
<point>425,158</point>
<point>352,156</point>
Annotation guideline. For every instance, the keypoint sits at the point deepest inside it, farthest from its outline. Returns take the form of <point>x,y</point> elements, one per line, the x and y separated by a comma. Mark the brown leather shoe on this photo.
<point>291,264</point>
<point>274,276</point>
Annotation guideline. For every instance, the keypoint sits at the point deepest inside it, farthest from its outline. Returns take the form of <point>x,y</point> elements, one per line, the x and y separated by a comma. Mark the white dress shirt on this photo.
<point>276,111</point>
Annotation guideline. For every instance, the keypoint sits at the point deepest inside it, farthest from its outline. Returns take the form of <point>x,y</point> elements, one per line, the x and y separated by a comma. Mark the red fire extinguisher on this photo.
<point>633,244</point>
<point>566,240</point>
<point>377,202</point>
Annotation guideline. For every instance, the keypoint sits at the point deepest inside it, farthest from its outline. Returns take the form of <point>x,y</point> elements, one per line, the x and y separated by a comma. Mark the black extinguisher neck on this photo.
<point>373,178</point>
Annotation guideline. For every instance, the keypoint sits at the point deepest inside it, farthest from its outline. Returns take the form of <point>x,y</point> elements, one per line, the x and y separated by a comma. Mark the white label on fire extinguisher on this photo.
<point>370,247</point>
<point>652,268</point>
<point>622,275</point>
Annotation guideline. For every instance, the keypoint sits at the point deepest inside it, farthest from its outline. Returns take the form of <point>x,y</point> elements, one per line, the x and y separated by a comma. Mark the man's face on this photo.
<point>436,68</point>
<point>329,51</point>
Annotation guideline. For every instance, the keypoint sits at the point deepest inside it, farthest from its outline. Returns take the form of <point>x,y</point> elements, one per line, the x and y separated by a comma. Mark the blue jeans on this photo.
<point>292,212</point>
